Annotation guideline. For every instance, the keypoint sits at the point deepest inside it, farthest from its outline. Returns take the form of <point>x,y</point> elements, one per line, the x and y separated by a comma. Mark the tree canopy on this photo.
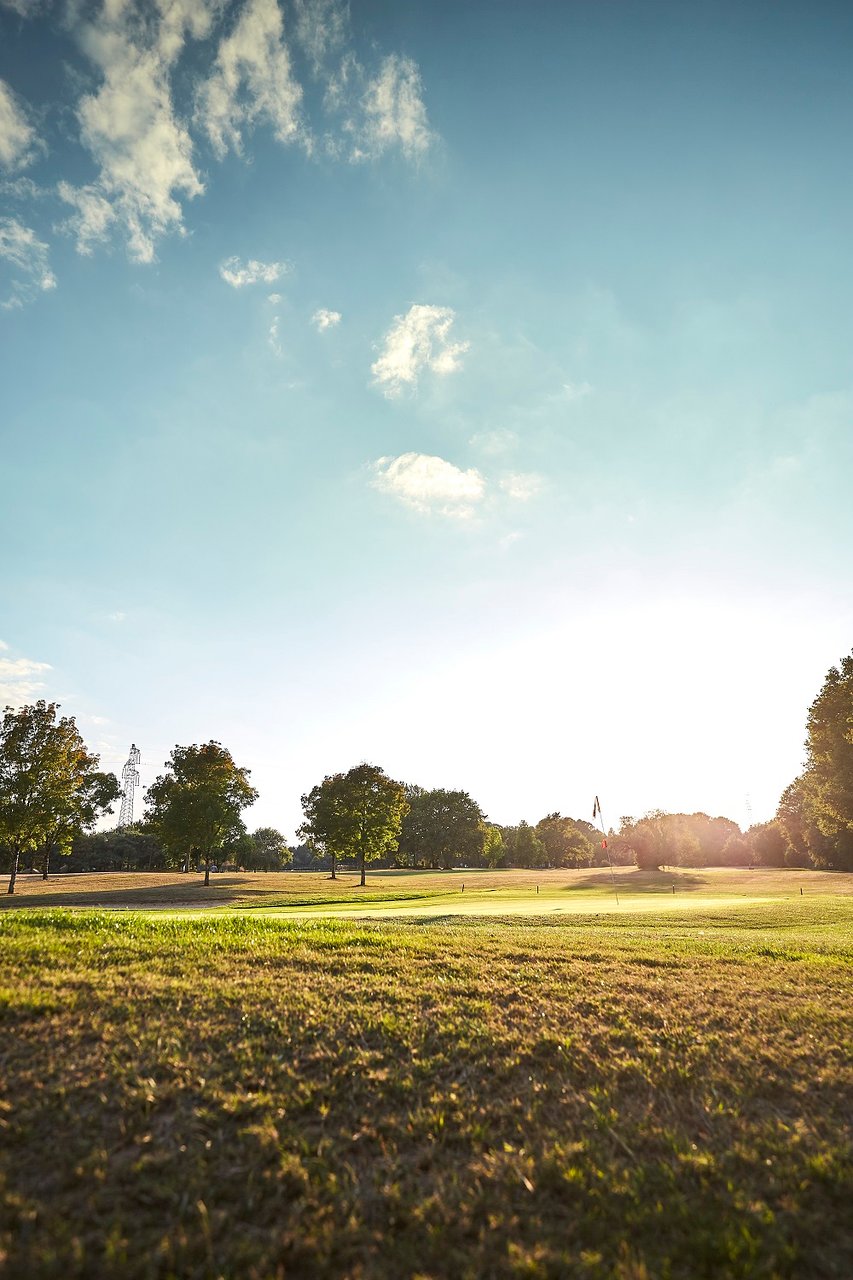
<point>441,828</point>
<point>816,811</point>
<point>195,806</point>
<point>50,785</point>
<point>357,814</point>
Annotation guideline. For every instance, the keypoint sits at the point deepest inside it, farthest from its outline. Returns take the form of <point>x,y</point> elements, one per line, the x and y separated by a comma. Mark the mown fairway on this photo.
<point>228,1095</point>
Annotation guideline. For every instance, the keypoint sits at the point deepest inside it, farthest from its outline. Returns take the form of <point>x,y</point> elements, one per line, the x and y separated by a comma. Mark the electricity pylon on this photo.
<point>129,783</point>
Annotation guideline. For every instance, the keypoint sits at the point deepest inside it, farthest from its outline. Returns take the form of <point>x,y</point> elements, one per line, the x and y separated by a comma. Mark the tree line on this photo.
<point>53,793</point>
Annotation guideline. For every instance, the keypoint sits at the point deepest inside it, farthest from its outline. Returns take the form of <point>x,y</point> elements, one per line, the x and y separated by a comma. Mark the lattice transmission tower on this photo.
<point>129,783</point>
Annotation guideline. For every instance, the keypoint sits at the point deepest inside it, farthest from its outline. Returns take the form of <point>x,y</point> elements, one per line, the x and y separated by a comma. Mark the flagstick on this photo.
<point>596,808</point>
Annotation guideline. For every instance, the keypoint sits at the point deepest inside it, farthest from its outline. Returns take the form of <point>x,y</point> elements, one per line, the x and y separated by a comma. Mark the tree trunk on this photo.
<point>333,876</point>
<point>45,873</point>
<point>14,874</point>
<point>363,881</point>
<point>207,873</point>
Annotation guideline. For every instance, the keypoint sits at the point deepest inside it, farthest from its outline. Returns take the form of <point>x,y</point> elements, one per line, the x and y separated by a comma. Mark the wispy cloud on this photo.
<point>430,485</point>
<point>576,391</point>
<point>273,338</point>
<point>18,139</point>
<point>496,442</point>
<point>418,340</point>
<point>322,29</point>
<point>521,486</point>
<point>118,616</point>
<point>252,82</point>
<point>238,273</point>
<point>323,319</point>
<point>394,114</point>
<point>27,273</point>
<point>19,682</point>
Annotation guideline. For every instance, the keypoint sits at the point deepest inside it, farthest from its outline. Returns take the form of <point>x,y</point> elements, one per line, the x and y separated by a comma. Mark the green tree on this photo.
<point>195,806</point>
<point>97,794</point>
<point>767,844</point>
<point>267,851</point>
<point>493,846</point>
<point>50,785</point>
<point>659,840</point>
<point>565,844</point>
<point>357,814</point>
<point>441,828</point>
<point>523,846</point>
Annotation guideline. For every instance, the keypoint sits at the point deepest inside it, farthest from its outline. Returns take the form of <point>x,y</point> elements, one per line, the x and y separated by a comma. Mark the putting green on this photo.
<point>504,905</point>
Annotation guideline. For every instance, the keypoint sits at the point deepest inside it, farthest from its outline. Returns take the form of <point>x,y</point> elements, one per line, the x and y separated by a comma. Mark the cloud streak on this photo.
<point>18,139</point>
<point>27,269</point>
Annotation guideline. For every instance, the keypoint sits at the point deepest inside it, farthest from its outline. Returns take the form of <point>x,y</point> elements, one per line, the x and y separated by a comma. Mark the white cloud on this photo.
<point>418,340</point>
<point>18,139</point>
<point>118,616</point>
<point>429,484</point>
<point>143,151</point>
<point>238,274</point>
<point>501,440</point>
<point>3,646</point>
<point>274,298</point>
<point>18,680</point>
<point>27,272</point>
<point>521,486</point>
<point>252,82</point>
<point>322,28</point>
<point>273,338</point>
<point>323,319</point>
<point>394,112</point>
<point>93,219</point>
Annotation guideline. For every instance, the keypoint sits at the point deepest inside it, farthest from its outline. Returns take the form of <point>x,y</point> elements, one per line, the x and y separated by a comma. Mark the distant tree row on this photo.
<point>52,794</point>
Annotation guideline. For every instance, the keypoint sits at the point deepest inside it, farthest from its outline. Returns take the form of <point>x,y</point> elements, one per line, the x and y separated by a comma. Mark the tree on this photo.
<point>658,840</point>
<point>493,846</point>
<point>816,811</point>
<point>523,846</point>
<point>267,851</point>
<point>354,815</point>
<point>50,785</point>
<point>96,795</point>
<point>767,844</point>
<point>566,845</point>
<point>195,806</point>
<point>441,827</point>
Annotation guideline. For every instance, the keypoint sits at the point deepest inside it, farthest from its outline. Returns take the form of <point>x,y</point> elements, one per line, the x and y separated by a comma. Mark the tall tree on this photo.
<point>357,814</point>
<point>441,828</point>
<point>50,785</point>
<point>195,806</point>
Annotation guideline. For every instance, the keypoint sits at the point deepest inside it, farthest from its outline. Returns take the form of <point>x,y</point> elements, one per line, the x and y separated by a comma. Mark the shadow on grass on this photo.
<point>637,881</point>
<point>191,893</point>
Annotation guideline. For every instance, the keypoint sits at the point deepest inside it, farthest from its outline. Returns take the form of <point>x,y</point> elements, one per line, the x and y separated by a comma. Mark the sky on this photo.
<point>465,388</point>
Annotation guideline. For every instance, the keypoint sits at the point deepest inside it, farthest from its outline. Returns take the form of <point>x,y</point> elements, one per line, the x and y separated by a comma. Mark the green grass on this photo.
<point>236,1096</point>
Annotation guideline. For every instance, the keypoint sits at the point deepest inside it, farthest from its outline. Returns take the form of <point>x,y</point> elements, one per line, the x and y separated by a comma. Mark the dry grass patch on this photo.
<point>226,1097</point>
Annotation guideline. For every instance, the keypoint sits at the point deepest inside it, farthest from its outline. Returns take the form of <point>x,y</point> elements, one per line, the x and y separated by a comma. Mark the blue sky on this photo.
<point>465,388</point>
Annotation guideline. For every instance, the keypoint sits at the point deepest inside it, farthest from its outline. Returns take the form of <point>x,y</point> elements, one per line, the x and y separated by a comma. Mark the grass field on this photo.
<point>229,1093</point>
